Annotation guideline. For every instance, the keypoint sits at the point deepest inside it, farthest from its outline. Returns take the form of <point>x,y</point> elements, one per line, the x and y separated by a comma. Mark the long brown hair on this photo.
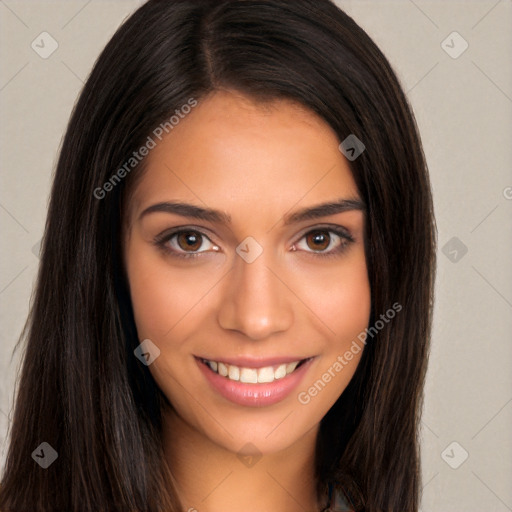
<point>81,389</point>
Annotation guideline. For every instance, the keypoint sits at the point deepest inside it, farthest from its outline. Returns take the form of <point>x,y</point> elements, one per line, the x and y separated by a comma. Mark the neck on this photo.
<point>211,478</point>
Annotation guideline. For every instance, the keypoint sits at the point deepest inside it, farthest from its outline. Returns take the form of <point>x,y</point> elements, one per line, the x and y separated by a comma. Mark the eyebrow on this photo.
<point>323,210</point>
<point>216,216</point>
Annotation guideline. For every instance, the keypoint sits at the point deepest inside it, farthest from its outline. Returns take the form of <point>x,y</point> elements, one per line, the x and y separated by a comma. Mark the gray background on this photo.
<point>463,103</point>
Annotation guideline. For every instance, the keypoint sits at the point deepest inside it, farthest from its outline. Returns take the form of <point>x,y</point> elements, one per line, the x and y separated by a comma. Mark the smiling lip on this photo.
<point>260,394</point>
<point>253,362</point>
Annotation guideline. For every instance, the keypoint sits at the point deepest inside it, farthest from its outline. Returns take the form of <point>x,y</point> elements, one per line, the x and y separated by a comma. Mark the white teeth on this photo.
<point>266,374</point>
<point>280,372</point>
<point>234,372</point>
<point>252,375</point>
<point>249,375</point>
<point>223,370</point>
<point>291,366</point>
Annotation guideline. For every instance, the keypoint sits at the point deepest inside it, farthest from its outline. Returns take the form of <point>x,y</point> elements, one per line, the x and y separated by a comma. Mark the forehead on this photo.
<point>237,155</point>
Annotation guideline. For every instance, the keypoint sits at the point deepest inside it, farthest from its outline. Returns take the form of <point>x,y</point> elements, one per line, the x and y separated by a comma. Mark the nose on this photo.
<point>255,301</point>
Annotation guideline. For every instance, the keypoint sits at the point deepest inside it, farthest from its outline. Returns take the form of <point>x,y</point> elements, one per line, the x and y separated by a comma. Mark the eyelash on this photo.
<point>346,239</point>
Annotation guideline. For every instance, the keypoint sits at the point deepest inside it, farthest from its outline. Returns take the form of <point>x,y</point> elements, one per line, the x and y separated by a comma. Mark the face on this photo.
<point>251,288</point>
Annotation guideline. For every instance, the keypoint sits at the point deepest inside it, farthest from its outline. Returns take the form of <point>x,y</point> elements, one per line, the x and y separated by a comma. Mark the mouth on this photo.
<point>248,375</point>
<point>256,383</point>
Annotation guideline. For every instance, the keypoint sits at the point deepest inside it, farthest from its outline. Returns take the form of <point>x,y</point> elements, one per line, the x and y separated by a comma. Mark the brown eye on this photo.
<point>318,240</point>
<point>186,243</point>
<point>325,241</point>
<point>189,240</point>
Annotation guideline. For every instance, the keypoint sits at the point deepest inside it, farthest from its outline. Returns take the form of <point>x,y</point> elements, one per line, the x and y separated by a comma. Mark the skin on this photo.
<point>257,163</point>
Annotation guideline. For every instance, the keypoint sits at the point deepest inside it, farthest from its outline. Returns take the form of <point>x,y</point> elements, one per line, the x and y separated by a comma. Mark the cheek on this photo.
<point>339,299</point>
<point>162,297</point>
<point>344,309</point>
<point>351,307</point>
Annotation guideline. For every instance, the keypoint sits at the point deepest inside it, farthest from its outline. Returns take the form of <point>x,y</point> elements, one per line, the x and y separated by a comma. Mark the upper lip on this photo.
<point>255,362</point>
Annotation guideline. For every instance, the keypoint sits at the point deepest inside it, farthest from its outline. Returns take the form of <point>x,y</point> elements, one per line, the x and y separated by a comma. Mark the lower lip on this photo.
<point>254,395</point>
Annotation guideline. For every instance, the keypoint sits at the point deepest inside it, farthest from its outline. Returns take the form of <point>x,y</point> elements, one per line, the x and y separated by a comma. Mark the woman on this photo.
<point>234,303</point>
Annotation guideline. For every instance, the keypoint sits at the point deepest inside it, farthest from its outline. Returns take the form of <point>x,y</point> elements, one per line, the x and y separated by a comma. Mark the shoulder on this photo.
<point>340,503</point>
